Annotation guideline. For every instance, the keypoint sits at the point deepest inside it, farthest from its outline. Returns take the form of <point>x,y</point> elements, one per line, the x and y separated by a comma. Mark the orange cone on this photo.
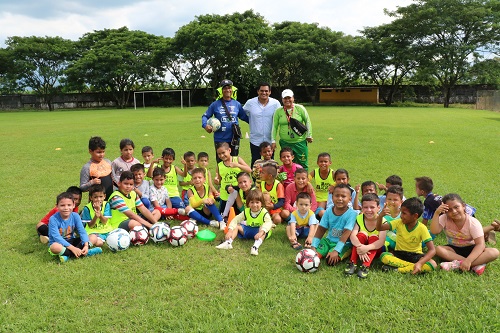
<point>229,218</point>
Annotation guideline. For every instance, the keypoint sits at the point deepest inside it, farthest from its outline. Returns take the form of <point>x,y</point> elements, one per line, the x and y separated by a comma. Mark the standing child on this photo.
<point>159,198</point>
<point>202,203</point>
<point>366,187</point>
<point>67,236</point>
<point>274,194</point>
<point>125,161</point>
<point>186,183</point>
<point>148,157</point>
<point>288,167</point>
<point>465,249</point>
<point>98,170</point>
<point>203,163</point>
<point>125,203</point>
<point>227,170</point>
<point>322,178</point>
<point>42,227</point>
<point>141,186</point>
<point>423,187</point>
<point>96,213</point>
<point>266,153</point>
<point>303,222</point>
<point>339,221</point>
<point>408,255</point>
<point>258,223</point>
<point>300,184</point>
<point>367,241</point>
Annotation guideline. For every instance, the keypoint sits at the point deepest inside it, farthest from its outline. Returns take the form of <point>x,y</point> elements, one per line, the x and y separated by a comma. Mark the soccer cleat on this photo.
<point>93,251</point>
<point>214,223</point>
<point>479,269</point>
<point>387,268</point>
<point>450,265</point>
<point>44,239</point>
<point>224,246</point>
<point>222,225</point>
<point>181,211</point>
<point>350,269</point>
<point>63,258</point>
<point>363,272</point>
<point>254,251</point>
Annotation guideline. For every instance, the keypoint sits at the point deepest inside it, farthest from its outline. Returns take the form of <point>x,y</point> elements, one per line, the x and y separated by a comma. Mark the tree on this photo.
<point>484,72</point>
<point>114,60</point>
<point>302,54</point>
<point>214,47</point>
<point>39,63</point>
<point>447,33</point>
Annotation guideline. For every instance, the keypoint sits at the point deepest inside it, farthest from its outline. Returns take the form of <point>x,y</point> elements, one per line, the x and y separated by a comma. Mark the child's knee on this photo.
<point>284,214</point>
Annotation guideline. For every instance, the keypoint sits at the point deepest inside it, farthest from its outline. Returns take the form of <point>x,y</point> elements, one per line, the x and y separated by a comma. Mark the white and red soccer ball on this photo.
<point>307,261</point>
<point>191,228</point>
<point>139,235</point>
<point>178,236</point>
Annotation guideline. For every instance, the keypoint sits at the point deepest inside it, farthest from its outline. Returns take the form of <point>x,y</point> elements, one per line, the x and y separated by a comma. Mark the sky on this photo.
<point>72,19</point>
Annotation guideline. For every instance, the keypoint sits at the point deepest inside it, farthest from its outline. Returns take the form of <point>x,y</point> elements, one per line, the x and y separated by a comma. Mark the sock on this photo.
<point>230,241</point>
<point>167,211</point>
<point>389,259</point>
<point>229,203</point>
<point>215,212</point>
<point>43,230</point>
<point>66,252</point>
<point>257,243</point>
<point>181,217</point>
<point>198,217</point>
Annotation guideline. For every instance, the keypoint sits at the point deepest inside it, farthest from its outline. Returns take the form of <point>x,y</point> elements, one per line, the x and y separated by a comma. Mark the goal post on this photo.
<point>182,91</point>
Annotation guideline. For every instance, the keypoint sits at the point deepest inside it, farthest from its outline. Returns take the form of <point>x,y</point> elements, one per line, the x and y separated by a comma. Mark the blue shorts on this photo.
<point>146,202</point>
<point>250,232</point>
<point>177,202</point>
<point>302,232</point>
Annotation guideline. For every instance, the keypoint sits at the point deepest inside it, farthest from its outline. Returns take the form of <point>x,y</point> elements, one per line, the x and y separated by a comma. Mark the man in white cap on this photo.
<point>260,111</point>
<point>294,127</point>
<point>227,110</point>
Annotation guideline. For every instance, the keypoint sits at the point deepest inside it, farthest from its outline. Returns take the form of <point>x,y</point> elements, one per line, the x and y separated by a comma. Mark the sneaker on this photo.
<point>363,272</point>
<point>214,224</point>
<point>273,226</point>
<point>224,246</point>
<point>222,225</point>
<point>181,211</point>
<point>44,239</point>
<point>479,269</point>
<point>254,251</point>
<point>450,265</point>
<point>350,269</point>
<point>387,268</point>
<point>93,251</point>
<point>63,258</point>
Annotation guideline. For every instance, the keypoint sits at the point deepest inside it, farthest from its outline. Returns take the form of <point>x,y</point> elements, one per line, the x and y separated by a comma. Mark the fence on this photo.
<point>488,100</point>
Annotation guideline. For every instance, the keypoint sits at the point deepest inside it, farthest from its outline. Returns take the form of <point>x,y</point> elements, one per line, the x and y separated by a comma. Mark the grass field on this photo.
<point>198,288</point>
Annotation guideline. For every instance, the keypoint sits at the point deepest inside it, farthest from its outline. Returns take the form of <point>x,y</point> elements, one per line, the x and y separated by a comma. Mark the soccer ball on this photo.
<point>159,232</point>
<point>215,123</point>
<point>307,261</point>
<point>139,235</point>
<point>118,240</point>
<point>191,228</point>
<point>178,236</point>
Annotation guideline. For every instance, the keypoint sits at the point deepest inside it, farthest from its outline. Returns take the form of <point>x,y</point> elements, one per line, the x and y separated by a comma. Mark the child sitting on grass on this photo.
<point>42,227</point>
<point>274,194</point>
<point>408,255</point>
<point>367,241</point>
<point>98,170</point>
<point>341,176</point>
<point>303,222</point>
<point>141,186</point>
<point>203,163</point>
<point>258,224</point>
<point>159,198</point>
<point>465,249</point>
<point>339,221</point>
<point>366,187</point>
<point>67,236</point>
<point>423,188</point>
<point>189,162</point>
<point>96,213</point>
<point>300,184</point>
<point>201,201</point>
<point>288,167</point>
<point>148,157</point>
<point>125,161</point>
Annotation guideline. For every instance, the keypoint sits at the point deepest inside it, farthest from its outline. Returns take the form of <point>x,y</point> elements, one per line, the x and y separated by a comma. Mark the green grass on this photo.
<point>199,288</point>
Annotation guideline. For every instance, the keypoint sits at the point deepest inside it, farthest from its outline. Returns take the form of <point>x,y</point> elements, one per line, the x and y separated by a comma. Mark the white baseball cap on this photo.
<point>287,93</point>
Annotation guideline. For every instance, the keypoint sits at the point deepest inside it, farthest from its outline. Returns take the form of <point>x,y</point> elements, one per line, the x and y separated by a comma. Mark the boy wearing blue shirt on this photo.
<point>67,236</point>
<point>339,220</point>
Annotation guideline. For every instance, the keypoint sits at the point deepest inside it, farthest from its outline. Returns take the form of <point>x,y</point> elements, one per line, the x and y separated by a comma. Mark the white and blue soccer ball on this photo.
<point>118,240</point>
<point>159,232</point>
<point>215,123</point>
<point>307,261</point>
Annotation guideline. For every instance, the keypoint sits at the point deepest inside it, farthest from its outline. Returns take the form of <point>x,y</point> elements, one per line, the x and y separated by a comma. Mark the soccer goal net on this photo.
<point>178,96</point>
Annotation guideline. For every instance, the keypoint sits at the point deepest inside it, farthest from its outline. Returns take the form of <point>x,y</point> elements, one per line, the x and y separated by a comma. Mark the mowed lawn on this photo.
<point>197,288</point>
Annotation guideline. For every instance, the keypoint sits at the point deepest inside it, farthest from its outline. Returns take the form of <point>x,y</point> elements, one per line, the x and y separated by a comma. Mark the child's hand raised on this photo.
<point>386,210</point>
<point>443,208</point>
<point>381,187</point>
<point>357,188</point>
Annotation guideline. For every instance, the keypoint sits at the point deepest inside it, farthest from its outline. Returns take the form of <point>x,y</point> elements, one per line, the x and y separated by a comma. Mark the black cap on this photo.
<point>225,82</point>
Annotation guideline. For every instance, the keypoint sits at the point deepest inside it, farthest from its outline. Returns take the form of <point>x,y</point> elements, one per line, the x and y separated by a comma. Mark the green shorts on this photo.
<point>326,245</point>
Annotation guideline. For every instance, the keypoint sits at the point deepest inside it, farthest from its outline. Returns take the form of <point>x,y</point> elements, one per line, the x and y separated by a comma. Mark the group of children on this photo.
<point>359,224</point>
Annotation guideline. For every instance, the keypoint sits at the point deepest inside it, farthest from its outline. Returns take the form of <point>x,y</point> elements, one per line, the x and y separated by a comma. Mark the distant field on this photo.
<point>199,288</point>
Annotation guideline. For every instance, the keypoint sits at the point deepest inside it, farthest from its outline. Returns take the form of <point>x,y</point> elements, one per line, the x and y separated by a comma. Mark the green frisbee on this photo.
<point>206,235</point>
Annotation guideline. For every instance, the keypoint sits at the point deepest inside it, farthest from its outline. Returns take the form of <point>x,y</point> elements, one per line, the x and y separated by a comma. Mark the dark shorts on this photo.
<point>408,256</point>
<point>463,251</point>
<point>250,232</point>
<point>124,225</point>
